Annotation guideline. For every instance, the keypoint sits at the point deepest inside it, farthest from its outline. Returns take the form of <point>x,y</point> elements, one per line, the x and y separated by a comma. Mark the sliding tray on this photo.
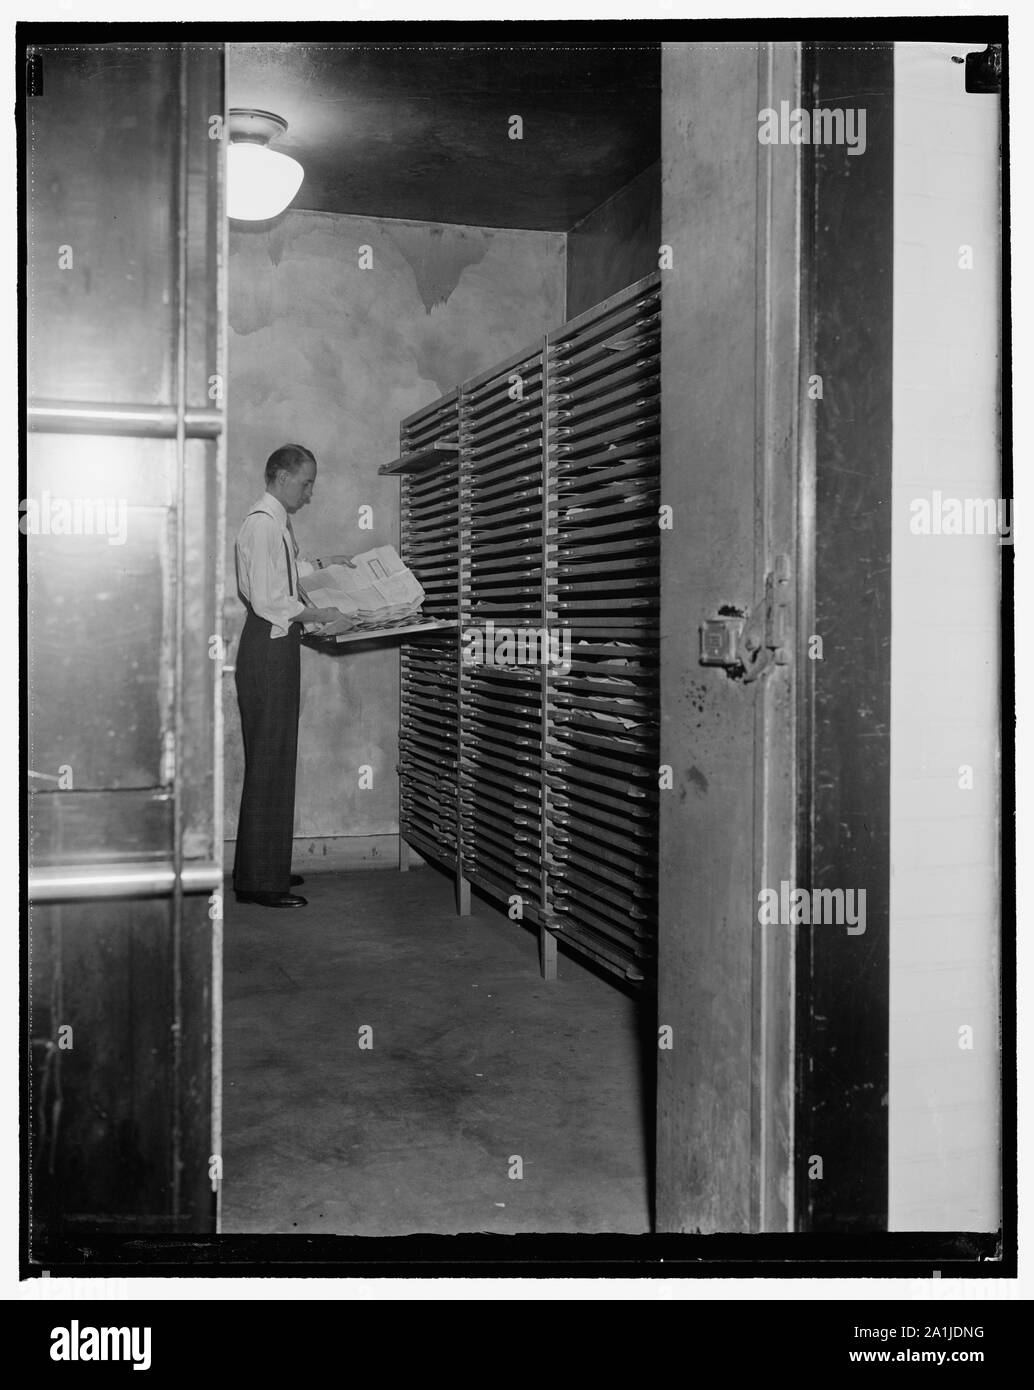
<point>365,634</point>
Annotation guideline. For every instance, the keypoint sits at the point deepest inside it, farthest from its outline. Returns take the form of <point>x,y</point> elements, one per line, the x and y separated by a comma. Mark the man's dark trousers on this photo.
<point>268,682</point>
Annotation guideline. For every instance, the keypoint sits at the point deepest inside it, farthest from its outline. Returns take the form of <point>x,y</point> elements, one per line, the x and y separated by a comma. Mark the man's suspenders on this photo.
<point>287,553</point>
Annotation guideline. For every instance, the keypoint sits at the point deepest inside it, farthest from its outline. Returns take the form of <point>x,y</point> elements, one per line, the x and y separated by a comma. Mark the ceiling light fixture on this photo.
<point>260,181</point>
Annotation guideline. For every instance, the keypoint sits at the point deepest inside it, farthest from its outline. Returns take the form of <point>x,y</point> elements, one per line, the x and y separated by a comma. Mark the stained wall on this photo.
<point>331,355</point>
<point>616,244</point>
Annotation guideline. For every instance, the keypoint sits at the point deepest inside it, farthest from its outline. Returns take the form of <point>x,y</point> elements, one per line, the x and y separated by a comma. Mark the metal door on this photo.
<point>123,515</point>
<point>729,430</point>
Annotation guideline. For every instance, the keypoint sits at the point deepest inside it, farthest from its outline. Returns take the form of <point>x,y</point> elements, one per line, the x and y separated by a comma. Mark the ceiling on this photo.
<point>420,131</point>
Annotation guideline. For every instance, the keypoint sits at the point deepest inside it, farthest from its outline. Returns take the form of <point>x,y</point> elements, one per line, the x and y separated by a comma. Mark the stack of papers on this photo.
<point>378,592</point>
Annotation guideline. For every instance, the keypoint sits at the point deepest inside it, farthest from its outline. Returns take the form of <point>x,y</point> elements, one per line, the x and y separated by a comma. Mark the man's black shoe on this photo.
<point>273,899</point>
<point>297,880</point>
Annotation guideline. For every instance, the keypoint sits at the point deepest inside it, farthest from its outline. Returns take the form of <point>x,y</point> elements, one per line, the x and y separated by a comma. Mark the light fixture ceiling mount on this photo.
<point>250,125</point>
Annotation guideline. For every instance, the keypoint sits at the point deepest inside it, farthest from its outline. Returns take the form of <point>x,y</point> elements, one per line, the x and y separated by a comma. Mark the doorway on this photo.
<point>382,289</point>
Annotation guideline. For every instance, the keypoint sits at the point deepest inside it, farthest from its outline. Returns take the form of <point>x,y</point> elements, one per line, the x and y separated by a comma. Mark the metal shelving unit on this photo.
<point>534,783</point>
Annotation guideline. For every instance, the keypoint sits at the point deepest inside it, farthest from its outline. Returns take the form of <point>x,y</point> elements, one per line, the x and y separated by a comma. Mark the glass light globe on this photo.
<point>260,181</point>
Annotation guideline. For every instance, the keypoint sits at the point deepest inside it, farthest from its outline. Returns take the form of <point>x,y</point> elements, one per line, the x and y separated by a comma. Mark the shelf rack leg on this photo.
<point>547,954</point>
<point>462,895</point>
<point>404,858</point>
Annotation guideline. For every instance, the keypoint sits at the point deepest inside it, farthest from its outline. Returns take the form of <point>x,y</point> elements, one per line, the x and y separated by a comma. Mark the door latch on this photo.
<point>765,638</point>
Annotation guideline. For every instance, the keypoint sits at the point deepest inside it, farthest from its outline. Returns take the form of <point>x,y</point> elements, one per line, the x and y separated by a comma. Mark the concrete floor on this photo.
<point>475,1060</point>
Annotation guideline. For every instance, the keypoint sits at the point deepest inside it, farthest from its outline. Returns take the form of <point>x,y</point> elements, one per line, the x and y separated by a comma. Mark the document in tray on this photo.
<point>378,590</point>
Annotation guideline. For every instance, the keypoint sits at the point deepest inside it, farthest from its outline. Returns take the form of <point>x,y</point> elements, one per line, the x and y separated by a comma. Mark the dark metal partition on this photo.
<point>843,981</point>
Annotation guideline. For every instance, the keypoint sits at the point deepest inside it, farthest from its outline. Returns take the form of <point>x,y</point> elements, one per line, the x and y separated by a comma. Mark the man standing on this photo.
<point>268,677</point>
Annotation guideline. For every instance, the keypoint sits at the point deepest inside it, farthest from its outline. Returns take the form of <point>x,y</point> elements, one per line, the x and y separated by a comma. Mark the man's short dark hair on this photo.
<point>289,457</point>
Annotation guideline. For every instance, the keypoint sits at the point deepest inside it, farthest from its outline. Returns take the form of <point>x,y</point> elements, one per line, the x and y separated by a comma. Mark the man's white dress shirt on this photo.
<point>268,565</point>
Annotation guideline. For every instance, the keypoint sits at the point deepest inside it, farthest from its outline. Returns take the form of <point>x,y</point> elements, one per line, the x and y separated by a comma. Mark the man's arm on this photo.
<point>322,563</point>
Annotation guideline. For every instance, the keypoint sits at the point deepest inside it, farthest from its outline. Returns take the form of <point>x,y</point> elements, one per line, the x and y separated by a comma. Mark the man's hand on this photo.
<point>322,615</point>
<point>338,560</point>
